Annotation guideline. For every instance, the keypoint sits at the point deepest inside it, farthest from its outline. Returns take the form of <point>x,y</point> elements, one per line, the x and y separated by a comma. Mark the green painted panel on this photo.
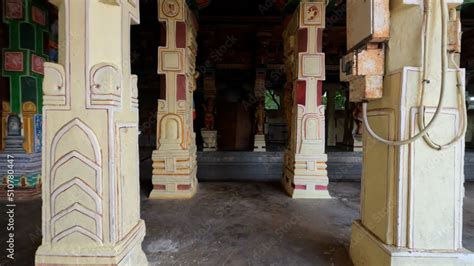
<point>29,89</point>
<point>28,33</point>
<point>27,36</point>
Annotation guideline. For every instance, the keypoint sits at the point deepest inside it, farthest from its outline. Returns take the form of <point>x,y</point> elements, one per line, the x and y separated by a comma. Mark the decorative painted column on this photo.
<point>412,195</point>
<point>305,174</point>
<point>260,117</point>
<point>23,61</point>
<point>208,133</point>
<point>91,195</point>
<point>174,160</point>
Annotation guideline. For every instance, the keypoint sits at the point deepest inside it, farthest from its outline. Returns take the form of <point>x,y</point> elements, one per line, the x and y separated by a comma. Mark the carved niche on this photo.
<point>106,85</point>
<point>54,84</point>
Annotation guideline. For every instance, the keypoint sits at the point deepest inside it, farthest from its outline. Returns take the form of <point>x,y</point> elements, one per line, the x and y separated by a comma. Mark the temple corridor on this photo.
<point>250,132</point>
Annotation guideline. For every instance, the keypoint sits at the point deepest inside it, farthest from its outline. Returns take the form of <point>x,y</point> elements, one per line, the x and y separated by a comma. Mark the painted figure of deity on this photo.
<point>260,117</point>
<point>209,114</point>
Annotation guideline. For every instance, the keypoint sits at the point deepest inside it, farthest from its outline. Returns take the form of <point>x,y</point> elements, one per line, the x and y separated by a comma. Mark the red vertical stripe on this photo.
<point>162,78</point>
<point>180,35</point>
<point>302,40</point>
<point>181,88</point>
<point>301,92</point>
<point>162,34</point>
<point>320,40</point>
<point>320,92</point>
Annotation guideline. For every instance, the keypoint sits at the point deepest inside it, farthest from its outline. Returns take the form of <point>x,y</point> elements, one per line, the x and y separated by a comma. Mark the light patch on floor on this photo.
<point>162,245</point>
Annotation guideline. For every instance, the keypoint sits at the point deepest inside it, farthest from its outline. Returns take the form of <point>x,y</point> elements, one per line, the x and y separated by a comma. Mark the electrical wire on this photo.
<point>425,28</point>
<point>424,132</point>
<point>460,93</point>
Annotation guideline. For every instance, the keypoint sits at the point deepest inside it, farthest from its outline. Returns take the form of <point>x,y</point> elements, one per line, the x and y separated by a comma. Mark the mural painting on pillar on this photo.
<point>174,160</point>
<point>91,196</point>
<point>305,173</point>
<point>23,64</point>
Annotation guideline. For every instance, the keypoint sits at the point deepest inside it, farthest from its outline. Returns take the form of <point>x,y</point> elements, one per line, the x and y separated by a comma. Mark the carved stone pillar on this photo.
<point>305,174</point>
<point>91,196</point>
<point>260,116</point>
<point>174,160</point>
<point>412,195</point>
<point>208,133</point>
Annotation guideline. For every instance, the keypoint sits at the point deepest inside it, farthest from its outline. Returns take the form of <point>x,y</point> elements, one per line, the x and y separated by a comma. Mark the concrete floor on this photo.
<point>236,224</point>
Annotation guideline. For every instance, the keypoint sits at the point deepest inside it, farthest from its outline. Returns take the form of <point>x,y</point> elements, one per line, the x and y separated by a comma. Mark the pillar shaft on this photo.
<point>412,195</point>
<point>174,160</point>
<point>305,174</point>
<point>91,198</point>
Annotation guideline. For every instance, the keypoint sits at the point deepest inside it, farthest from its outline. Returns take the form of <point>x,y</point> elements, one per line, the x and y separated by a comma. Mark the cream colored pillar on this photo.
<point>305,174</point>
<point>91,198</point>
<point>412,195</point>
<point>174,160</point>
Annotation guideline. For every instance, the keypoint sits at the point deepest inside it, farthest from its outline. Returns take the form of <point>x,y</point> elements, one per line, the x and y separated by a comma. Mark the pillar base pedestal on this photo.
<point>210,139</point>
<point>160,192</point>
<point>367,249</point>
<point>259,144</point>
<point>296,193</point>
<point>174,174</point>
<point>305,176</point>
<point>126,252</point>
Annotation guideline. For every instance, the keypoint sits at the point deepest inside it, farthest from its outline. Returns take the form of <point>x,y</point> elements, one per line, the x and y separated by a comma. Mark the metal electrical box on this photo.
<point>367,21</point>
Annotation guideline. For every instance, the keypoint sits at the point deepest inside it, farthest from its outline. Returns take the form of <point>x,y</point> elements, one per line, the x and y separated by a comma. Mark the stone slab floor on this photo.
<point>235,224</point>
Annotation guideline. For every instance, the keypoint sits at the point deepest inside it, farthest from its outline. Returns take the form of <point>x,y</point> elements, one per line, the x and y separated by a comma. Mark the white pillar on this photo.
<point>305,173</point>
<point>91,196</point>
<point>412,195</point>
<point>174,160</point>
